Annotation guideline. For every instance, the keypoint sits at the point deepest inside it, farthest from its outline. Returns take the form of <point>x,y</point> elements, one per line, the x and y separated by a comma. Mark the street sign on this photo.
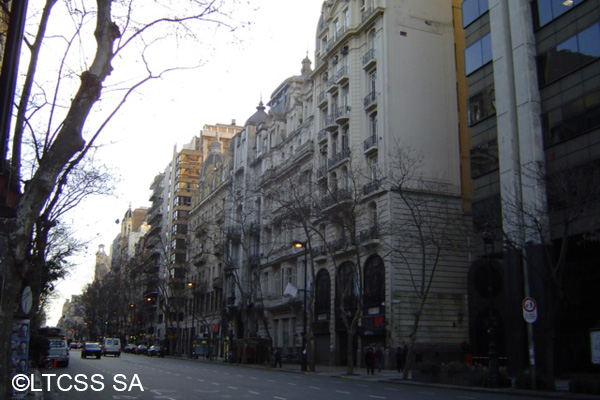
<point>529,310</point>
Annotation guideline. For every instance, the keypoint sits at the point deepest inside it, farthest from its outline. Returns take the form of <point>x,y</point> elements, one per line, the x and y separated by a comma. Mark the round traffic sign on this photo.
<point>529,310</point>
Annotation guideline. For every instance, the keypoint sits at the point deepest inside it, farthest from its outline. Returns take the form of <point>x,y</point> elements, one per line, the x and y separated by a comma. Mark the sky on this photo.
<point>139,143</point>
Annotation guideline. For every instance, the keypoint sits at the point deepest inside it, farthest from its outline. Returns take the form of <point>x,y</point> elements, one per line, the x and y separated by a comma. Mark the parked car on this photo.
<point>111,346</point>
<point>156,351</point>
<point>91,350</point>
<point>130,348</point>
<point>141,349</point>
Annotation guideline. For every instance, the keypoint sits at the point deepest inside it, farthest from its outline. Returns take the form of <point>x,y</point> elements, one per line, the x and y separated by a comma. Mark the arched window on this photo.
<point>322,292</point>
<point>374,281</point>
<point>347,286</point>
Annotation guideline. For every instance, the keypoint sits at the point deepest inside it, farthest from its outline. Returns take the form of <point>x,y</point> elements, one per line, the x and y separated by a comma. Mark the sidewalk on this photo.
<point>392,376</point>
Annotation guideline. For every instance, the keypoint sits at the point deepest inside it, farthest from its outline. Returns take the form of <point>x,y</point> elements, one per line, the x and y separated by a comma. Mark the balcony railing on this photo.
<point>338,197</point>
<point>330,124</point>
<point>341,75</point>
<point>322,172</point>
<point>342,113</point>
<point>323,135</point>
<point>371,187</point>
<point>305,148</point>
<point>337,158</point>
<point>370,143</point>
<point>368,58</point>
<point>321,98</point>
<point>370,100</point>
<point>366,13</point>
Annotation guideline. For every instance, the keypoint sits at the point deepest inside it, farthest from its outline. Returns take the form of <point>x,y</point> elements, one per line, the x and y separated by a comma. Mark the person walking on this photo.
<point>278,357</point>
<point>370,361</point>
<point>401,356</point>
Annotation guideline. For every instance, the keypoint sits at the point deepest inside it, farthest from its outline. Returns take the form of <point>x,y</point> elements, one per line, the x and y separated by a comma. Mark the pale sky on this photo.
<point>170,112</point>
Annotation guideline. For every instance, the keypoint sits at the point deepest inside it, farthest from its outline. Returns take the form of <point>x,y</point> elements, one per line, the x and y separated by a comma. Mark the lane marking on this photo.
<point>314,387</point>
<point>292,384</point>
<point>377,397</point>
<point>251,392</point>
<point>280,398</point>
<point>231,387</point>
<point>342,392</point>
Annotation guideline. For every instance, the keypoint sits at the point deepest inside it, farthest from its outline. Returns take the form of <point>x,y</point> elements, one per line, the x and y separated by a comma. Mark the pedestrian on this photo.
<point>278,357</point>
<point>401,352</point>
<point>370,361</point>
<point>379,358</point>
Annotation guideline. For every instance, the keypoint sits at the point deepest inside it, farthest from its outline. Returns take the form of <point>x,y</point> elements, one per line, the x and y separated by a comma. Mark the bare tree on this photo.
<point>430,230</point>
<point>572,208</point>
<point>341,215</point>
<point>63,142</point>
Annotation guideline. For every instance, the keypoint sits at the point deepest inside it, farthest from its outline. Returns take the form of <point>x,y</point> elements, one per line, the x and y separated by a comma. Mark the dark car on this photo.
<point>141,349</point>
<point>156,351</point>
<point>75,345</point>
<point>91,350</point>
<point>130,348</point>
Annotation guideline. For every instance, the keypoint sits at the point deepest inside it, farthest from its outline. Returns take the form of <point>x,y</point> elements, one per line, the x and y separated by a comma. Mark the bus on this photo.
<point>58,349</point>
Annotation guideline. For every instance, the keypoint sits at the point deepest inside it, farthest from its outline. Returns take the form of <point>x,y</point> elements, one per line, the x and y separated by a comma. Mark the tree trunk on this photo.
<point>411,344</point>
<point>350,353</point>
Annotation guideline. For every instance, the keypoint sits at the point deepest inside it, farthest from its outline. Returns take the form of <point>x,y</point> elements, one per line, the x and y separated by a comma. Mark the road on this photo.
<point>141,377</point>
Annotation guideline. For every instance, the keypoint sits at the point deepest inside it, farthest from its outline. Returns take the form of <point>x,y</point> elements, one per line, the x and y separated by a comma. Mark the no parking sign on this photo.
<point>529,310</point>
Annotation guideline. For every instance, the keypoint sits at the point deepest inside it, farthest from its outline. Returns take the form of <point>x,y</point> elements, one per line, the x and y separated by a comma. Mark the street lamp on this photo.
<point>302,245</point>
<point>494,374</point>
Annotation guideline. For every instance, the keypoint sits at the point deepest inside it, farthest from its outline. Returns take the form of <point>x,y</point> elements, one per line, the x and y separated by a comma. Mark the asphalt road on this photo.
<point>141,377</point>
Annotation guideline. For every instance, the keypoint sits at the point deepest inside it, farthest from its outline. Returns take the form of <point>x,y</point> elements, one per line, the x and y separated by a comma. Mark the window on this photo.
<point>373,124</point>
<point>549,10</point>
<point>575,52</point>
<point>482,105</point>
<point>322,292</point>
<point>484,158</point>
<point>374,281</point>
<point>473,9</point>
<point>572,119</point>
<point>478,54</point>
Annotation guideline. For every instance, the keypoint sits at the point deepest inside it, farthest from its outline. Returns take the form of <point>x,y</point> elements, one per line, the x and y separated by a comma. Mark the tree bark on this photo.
<point>16,234</point>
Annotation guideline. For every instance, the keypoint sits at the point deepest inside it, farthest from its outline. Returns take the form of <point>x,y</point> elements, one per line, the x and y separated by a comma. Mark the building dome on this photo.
<point>259,116</point>
<point>214,160</point>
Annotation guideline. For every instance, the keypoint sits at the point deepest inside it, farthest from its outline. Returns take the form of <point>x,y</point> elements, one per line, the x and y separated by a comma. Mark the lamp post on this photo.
<point>302,245</point>
<point>494,374</point>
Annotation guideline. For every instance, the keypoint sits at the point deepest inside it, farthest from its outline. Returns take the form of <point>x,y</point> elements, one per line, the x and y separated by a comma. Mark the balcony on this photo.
<point>322,172</point>
<point>369,236</point>
<point>371,187</point>
<point>332,86</point>
<point>200,288</point>
<point>199,259</point>
<point>338,158</point>
<point>342,75</point>
<point>370,145</point>
<point>337,198</point>
<point>342,114</point>
<point>370,101</point>
<point>319,254</point>
<point>366,13</point>
<point>305,149</point>
<point>330,124</point>
<point>234,234</point>
<point>369,59</point>
<point>217,282</point>
<point>323,135</point>
<point>321,99</point>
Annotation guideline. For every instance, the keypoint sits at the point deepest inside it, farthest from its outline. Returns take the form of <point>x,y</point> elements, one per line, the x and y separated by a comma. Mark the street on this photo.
<point>179,379</point>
